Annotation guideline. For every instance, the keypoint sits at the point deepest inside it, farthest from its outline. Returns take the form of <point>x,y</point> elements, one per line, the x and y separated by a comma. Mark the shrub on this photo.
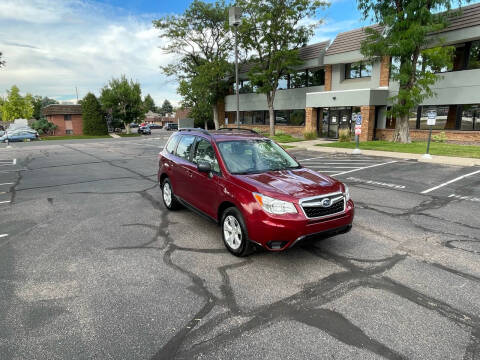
<point>441,138</point>
<point>344,135</point>
<point>44,127</point>
<point>309,135</point>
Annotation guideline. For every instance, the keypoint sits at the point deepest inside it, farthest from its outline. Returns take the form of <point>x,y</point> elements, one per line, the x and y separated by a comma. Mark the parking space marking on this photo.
<point>469,198</point>
<point>6,184</point>
<point>365,167</point>
<point>3,235</point>
<point>4,202</point>
<point>449,182</point>
<point>372,182</point>
<point>319,157</point>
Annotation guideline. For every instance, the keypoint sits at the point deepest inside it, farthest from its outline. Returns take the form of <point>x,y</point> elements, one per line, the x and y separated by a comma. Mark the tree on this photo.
<point>94,122</point>
<point>2,62</point>
<point>201,38</point>
<point>406,35</point>
<point>39,103</point>
<point>16,106</point>
<point>43,126</point>
<point>123,100</point>
<point>166,108</point>
<point>273,31</point>
<point>149,104</point>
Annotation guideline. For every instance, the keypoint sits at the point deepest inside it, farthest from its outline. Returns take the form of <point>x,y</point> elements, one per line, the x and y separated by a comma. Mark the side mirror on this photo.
<point>204,167</point>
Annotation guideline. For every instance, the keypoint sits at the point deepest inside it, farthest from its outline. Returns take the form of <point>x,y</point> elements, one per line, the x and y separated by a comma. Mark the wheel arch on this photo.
<point>222,207</point>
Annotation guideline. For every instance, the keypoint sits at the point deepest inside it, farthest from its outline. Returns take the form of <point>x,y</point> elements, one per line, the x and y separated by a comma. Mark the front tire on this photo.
<point>234,233</point>
<point>169,199</point>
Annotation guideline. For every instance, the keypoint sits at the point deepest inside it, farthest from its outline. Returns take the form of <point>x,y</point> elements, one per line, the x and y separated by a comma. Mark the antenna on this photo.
<point>76,90</point>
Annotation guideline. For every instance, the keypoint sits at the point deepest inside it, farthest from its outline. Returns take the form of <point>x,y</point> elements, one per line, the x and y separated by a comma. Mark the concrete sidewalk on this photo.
<point>445,160</point>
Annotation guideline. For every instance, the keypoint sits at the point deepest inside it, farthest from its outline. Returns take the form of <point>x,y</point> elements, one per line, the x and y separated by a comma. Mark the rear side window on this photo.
<point>184,146</point>
<point>172,143</point>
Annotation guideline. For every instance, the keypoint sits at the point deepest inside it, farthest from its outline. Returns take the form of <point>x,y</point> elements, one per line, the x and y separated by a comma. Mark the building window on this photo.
<point>67,117</point>
<point>474,56</point>
<point>294,117</point>
<point>316,77</point>
<point>283,83</point>
<point>69,132</point>
<point>358,70</point>
<point>470,117</point>
<point>298,79</point>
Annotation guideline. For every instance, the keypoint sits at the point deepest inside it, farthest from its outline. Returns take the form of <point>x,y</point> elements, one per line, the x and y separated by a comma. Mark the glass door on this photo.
<point>333,120</point>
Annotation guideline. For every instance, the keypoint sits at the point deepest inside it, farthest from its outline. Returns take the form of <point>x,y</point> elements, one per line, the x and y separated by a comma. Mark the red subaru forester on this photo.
<point>253,188</point>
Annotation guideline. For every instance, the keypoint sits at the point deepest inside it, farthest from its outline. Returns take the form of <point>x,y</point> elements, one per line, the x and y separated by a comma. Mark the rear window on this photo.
<point>184,146</point>
<point>172,142</point>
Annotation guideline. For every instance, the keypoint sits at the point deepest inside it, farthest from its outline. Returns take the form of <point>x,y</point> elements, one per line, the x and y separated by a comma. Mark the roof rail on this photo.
<point>203,131</point>
<point>238,129</point>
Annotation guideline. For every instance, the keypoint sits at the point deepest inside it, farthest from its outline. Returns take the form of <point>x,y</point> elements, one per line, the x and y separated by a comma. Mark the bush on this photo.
<point>441,138</point>
<point>309,135</point>
<point>44,127</point>
<point>94,122</point>
<point>344,135</point>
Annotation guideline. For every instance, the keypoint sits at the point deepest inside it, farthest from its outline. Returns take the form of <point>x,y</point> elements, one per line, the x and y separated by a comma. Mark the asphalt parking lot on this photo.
<point>93,266</point>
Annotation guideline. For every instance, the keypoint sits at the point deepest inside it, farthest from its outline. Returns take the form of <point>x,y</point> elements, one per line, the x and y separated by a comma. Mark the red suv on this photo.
<point>253,188</point>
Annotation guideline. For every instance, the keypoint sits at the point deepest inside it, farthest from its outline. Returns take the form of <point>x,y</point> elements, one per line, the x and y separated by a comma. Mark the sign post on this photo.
<point>431,119</point>
<point>358,131</point>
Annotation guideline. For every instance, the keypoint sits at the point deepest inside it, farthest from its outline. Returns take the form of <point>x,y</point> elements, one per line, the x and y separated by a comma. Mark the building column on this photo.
<point>221,113</point>
<point>368,122</point>
<point>311,119</point>
<point>385,71</point>
<point>328,77</point>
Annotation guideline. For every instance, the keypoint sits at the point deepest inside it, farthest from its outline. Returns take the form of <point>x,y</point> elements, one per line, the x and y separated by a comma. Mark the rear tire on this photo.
<point>234,233</point>
<point>169,199</point>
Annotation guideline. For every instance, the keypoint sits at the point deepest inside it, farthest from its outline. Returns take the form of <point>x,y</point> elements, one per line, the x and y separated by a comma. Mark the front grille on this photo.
<point>319,211</point>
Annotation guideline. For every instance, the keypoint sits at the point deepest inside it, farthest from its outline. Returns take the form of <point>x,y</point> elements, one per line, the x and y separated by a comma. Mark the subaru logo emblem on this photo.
<point>326,202</point>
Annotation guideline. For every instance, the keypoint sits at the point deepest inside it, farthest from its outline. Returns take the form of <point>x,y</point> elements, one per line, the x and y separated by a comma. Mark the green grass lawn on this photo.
<point>284,138</point>
<point>128,135</point>
<point>69,137</point>
<point>417,147</point>
<point>287,147</point>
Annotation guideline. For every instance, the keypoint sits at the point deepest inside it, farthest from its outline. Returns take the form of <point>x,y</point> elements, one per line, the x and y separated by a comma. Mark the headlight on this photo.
<point>346,192</point>
<point>275,206</point>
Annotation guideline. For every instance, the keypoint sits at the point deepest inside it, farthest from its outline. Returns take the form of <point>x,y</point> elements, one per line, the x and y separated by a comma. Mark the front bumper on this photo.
<point>277,233</point>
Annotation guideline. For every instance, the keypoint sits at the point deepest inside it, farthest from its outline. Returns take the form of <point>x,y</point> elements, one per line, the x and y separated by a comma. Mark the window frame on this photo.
<point>362,64</point>
<point>189,159</point>
<point>67,117</point>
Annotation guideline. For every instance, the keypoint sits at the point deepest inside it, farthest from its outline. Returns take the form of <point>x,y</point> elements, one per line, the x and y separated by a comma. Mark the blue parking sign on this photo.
<point>358,121</point>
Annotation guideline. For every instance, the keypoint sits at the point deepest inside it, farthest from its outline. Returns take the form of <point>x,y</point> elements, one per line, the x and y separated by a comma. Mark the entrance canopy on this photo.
<point>357,97</point>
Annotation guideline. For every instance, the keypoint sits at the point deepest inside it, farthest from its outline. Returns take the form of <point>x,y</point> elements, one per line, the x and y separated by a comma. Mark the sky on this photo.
<point>54,46</point>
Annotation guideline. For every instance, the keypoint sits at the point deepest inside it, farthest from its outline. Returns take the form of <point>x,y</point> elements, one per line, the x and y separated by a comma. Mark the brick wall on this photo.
<point>385,71</point>
<point>368,122</point>
<point>387,134</point>
<point>292,130</point>
<point>59,120</point>
<point>311,119</point>
<point>328,77</point>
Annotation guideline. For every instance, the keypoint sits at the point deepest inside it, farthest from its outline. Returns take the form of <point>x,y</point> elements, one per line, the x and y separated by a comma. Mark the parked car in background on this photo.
<point>171,127</point>
<point>155,126</point>
<point>144,130</point>
<point>253,188</point>
<point>134,125</point>
<point>19,134</point>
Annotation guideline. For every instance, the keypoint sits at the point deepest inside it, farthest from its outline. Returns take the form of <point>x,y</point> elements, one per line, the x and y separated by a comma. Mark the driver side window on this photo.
<point>204,152</point>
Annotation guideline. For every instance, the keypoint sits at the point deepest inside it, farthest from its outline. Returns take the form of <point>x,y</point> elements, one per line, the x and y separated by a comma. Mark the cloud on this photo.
<point>50,49</point>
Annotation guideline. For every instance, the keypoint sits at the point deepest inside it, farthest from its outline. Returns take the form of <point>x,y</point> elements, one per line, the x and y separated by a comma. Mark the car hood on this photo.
<point>299,183</point>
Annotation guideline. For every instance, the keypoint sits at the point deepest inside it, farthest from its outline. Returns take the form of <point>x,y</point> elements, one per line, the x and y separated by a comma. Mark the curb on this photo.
<point>436,159</point>
<point>115,136</point>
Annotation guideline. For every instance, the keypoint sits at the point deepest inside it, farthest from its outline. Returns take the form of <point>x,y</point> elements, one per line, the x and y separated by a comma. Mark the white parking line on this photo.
<point>334,167</point>
<point>6,184</point>
<point>460,197</point>
<point>372,182</point>
<point>365,167</point>
<point>4,202</point>
<point>320,157</point>
<point>449,182</point>
<point>3,235</point>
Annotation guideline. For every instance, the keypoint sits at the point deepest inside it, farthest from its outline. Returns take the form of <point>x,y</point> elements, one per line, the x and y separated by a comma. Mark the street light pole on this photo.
<point>234,19</point>
<point>237,117</point>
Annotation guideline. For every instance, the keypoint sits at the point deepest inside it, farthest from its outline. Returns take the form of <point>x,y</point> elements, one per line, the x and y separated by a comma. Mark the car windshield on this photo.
<point>255,156</point>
